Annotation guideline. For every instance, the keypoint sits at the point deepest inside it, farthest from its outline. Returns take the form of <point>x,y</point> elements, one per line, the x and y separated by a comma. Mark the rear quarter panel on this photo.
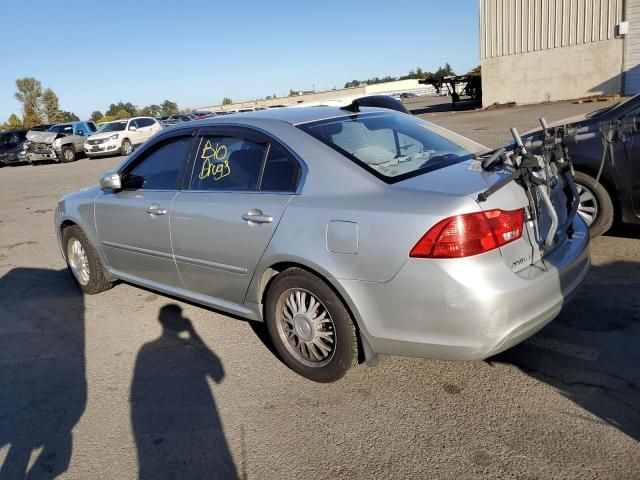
<point>389,220</point>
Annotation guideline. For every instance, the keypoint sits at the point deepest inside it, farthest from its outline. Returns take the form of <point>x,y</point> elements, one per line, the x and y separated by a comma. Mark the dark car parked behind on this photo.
<point>616,196</point>
<point>12,146</point>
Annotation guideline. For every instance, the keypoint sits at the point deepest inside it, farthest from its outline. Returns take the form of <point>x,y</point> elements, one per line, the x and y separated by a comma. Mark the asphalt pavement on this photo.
<point>109,387</point>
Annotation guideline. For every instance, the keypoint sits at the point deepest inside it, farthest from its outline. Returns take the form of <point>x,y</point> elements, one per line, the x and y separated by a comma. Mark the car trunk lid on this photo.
<point>468,178</point>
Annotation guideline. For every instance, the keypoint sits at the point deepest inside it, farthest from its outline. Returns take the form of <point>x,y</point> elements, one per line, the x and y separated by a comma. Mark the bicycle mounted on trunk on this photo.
<point>543,160</point>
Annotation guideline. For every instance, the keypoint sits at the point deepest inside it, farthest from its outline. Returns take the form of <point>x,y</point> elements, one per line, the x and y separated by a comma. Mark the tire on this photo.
<point>95,281</point>
<point>596,207</point>
<point>297,340</point>
<point>67,154</point>
<point>126,148</point>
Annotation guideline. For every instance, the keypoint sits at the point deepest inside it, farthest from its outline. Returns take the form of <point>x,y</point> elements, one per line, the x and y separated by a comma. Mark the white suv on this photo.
<point>120,137</point>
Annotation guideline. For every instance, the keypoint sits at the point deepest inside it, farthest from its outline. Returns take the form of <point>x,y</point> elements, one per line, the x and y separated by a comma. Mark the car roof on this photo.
<point>293,116</point>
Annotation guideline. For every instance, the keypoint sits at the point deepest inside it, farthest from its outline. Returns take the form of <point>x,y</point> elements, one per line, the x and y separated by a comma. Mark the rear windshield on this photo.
<point>391,145</point>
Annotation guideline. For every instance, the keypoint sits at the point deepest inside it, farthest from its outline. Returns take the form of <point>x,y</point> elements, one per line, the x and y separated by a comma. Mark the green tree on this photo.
<point>63,116</point>
<point>50,106</point>
<point>227,101</point>
<point>96,115</point>
<point>30,95</point>
<point>128,107</point>
<point>444,72</point>
<point>151,111</point>
<point>12,123</point>
<point>168,108</point>
<point>476,71</point>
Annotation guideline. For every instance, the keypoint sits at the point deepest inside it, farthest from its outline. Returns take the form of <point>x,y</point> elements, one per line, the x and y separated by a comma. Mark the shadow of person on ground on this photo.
<point>591,352</point>
<point>177,429</point>
<point>43,387</point>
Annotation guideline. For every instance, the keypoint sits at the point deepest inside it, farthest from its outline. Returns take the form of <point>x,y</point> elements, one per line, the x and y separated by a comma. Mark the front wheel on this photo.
<point>596,207</point>
<point>67,154</point>
<point>310,327</point>
<point>126,148</point>
<point>83,261</point>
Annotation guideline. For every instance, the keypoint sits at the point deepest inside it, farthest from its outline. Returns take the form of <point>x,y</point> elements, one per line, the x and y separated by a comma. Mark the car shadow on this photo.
<point>177,429</point>
<point>591,352</point>
<point>43,387</point>
<point>624,231</point>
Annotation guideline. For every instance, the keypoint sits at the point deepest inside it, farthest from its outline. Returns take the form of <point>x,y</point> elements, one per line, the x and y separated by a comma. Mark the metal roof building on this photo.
<point>544,50</point>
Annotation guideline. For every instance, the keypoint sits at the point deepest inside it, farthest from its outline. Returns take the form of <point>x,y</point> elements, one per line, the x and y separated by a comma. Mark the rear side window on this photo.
<point>281,173</point>
<point>159,168</point>
<point>227,164</point>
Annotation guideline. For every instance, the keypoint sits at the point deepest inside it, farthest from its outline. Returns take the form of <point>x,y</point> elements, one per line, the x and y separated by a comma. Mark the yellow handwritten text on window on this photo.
<point>214,162</point>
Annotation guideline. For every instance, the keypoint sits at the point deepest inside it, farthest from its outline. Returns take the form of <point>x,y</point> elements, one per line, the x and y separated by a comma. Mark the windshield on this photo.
<point>113,127</point>
<point>393,146</point>
<point>597,113</point>
<point>631,103</point>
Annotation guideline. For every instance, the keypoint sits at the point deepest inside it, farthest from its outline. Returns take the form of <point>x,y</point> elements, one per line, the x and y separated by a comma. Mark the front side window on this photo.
<point>227,164</point>
<point>160,167</point>
<point>393,146</point>
<point>82,129</point>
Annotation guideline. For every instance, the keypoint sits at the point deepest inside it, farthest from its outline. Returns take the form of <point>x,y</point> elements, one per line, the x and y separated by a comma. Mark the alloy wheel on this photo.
<point>78,261</point>
<point>588,206</point>
<point>305,327</point>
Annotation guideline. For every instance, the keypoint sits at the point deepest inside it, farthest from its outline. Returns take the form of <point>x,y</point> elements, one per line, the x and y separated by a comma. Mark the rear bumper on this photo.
<point>470,308</point>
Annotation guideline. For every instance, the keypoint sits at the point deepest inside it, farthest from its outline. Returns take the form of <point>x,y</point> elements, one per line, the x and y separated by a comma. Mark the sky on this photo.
<point>196,52</point>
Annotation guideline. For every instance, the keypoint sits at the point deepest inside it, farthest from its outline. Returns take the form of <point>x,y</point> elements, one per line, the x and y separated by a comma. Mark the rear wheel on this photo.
<point>596,207</point>
<point>83,261</point>
<point>310,327</point>
<point>67,154</point>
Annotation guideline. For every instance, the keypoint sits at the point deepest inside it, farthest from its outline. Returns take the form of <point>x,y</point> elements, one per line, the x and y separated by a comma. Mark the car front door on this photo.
<point>80,133</point>
<point>133,224</point>
<point>223,223</point>
<point>133,133</point>
<point>629,171</point>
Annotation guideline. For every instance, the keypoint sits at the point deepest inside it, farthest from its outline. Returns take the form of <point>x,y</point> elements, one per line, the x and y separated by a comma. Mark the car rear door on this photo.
<point>240,185</point>
<point>133,224</point>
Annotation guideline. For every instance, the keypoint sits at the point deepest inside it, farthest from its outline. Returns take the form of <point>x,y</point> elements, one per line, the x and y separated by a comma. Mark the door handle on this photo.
<point>256,216</point>
<point>154,209</point>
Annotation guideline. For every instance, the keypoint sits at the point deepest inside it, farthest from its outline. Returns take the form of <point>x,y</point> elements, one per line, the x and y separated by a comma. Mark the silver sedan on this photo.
<point>352,234</point>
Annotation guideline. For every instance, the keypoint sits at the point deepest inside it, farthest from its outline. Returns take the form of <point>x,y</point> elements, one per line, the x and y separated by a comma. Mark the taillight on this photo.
<point>470,234</point>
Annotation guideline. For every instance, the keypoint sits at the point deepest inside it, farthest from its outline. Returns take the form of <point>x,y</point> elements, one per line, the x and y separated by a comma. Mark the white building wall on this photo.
<point>541,50</point>
<point>632,49</point>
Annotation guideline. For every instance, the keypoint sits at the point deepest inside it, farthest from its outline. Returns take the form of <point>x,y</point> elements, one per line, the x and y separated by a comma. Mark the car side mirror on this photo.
<point>132,128</point>
<point>111,181</point>
<point>80,133</point>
